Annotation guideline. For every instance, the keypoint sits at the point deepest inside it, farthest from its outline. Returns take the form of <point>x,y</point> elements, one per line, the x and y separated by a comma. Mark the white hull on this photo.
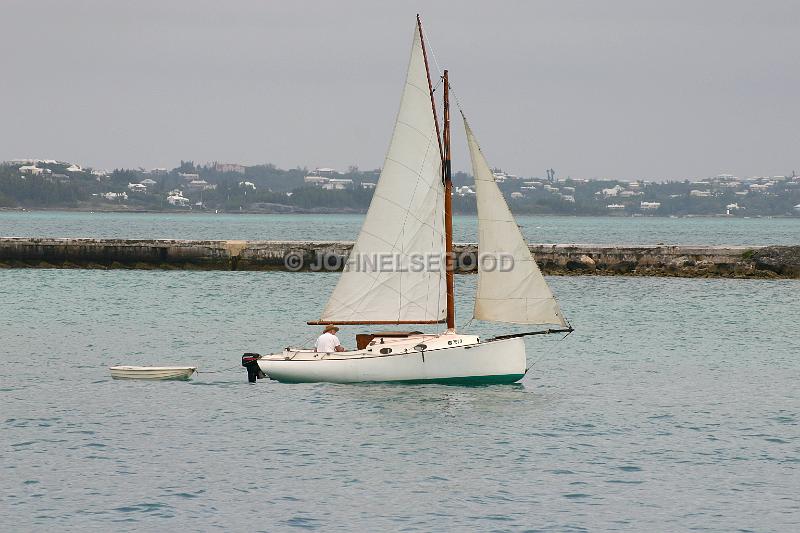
<point>152,372</point>
<point>449,358</point>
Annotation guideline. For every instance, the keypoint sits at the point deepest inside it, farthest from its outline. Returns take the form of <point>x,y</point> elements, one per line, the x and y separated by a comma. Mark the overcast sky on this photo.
<point>628,89</point>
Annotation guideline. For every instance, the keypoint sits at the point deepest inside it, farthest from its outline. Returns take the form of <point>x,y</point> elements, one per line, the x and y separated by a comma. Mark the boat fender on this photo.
<point>250,362</point>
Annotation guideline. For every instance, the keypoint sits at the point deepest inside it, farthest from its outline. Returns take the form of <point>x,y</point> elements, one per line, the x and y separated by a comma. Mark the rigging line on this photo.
<point>305,342</point>
<point>458,102</point>
<point>541,356</point>
<point>571,329</point>
<point>429,47</point>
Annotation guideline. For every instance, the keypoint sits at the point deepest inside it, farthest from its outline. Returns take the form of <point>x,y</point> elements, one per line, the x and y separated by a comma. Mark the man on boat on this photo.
<point>328,342</point>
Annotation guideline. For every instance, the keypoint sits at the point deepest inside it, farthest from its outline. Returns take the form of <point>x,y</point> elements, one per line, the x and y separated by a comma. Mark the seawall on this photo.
<point>560,259</point>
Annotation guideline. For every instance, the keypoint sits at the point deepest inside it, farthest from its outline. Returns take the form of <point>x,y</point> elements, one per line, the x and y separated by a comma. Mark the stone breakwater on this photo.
<point>559,259</point>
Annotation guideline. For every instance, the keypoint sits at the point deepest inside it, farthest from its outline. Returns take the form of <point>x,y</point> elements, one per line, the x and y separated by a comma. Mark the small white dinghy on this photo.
<point>152,372</point>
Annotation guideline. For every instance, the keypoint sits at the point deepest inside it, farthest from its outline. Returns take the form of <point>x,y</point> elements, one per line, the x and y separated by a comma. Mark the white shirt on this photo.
<point>327,342</point>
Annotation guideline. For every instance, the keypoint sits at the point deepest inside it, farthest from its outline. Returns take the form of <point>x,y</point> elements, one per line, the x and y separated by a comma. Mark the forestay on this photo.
<point>405,222</point>
<point>511,287</point>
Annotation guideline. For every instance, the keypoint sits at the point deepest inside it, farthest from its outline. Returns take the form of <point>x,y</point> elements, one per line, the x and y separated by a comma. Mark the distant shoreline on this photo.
<point>347,211</point>
<point>291,210</point>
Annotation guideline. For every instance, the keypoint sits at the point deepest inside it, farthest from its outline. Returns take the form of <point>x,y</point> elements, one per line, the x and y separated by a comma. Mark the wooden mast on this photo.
<point>448,209</point>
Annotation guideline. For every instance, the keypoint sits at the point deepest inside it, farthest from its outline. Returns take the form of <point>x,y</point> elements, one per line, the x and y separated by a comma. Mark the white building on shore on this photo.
<point>177,199</point>
<point>338,184</point>
<point>315,181</point>
<point>31,170</point>
<point>112,196</point>
<point>229,167</point>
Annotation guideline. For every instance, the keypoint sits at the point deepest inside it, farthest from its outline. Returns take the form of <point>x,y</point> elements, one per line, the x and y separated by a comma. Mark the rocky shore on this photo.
<point>557,259</point>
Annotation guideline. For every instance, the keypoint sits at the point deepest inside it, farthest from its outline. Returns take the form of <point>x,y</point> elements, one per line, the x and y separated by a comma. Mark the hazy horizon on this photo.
<point>626,89</point>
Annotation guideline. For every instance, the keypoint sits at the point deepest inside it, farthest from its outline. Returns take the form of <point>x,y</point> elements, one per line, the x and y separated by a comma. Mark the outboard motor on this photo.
<point>250,362</point>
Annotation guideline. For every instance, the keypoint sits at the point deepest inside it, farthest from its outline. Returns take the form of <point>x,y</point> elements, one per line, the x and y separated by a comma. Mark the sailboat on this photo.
<point>391,279</point>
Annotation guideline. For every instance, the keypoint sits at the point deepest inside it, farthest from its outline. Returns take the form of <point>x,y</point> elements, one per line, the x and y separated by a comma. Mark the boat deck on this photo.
<point>381,346</point>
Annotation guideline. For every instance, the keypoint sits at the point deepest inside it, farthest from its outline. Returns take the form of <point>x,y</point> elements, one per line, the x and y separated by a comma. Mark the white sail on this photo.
<point>511,287</point>
<point>405,222</point>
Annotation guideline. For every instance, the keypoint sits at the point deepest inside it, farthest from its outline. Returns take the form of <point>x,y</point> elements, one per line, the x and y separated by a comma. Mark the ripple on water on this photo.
<point>576,495</point>
<point>145,507</point>
<point>632,422</point>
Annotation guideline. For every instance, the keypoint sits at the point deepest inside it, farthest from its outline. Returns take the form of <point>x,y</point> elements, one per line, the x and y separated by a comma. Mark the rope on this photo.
<point>308,340</point>
<point>295,352</point>
<point>543,353</point>
<point>429,47</point>
<point>537,360</point>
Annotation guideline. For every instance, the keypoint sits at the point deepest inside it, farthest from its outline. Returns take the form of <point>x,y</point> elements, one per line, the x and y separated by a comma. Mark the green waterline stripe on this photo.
<point>500,379</point>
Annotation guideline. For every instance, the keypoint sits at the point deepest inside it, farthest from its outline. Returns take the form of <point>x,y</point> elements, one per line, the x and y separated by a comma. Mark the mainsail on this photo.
<point>511,287</point>
<point>404,223</point>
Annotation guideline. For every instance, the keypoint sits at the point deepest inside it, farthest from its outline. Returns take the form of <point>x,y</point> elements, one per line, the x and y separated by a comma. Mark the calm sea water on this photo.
<point>540,229</point>
<point>674,406</point>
